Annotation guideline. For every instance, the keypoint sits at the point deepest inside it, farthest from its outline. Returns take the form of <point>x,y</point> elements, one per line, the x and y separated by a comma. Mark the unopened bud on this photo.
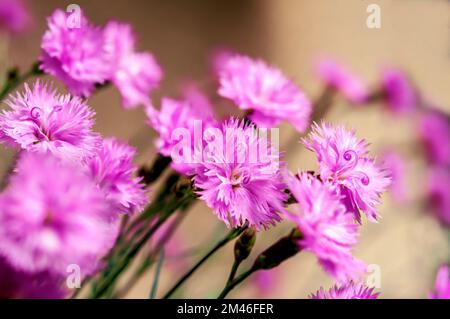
<point>283,249</point>
<point>244,244</point>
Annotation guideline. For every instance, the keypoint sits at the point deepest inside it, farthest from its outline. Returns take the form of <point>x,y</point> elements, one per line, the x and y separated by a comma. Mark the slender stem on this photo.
<point>229,237</point>
<point>236,282</point>
<point>157,274</point>
<point>14,79</point>
<point>233,271</point>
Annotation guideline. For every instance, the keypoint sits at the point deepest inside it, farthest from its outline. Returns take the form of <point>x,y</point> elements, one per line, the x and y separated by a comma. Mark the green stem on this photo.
<point>236,282</point>
<point>14,79</point>
<point>157,274</point>
<point>229,237</point>
<point>233,271</point>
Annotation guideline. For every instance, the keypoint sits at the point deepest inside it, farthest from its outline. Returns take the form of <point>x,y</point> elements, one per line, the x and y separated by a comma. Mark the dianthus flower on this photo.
<point>14,16</point>
<point>135,74</point>
<point>344,160</point>
<point>242,187</point>
<point>340,79</point>
<point>439,193</point>
<point>327,229</point>
<point>113,170</point>
<point>52,215</point>
<point>40,120</point>
<point>398,91</point>
<point>265,91</point>
<point>434,130</point>
<point>349,290</point>
<point>442,285</point>
<point>75,52</point>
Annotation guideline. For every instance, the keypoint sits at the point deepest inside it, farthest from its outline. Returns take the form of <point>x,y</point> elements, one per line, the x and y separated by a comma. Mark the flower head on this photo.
<point>442,285</point>
<point>239,185</point>
<point>14,16</point>
<point>112,169</point>
<point>349,290</point>
<point>256,86</point>
<point>135,74</point>
<point>344,160</point>
<point>439,193</point>
<point>75,52</point>
<point>328,230</point>
<point>52,215</point>
<point>399,92</point>
<point>337,77</point>
<point>188,115</point>
<point>434,130</point>
<point>40,120</point>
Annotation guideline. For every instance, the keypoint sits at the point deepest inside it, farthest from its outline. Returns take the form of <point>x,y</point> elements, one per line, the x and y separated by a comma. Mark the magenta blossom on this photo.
<point>434,130</point>
<point>15,284</point>
<point>113,170</point>
<point>442,285</point>
<point>266,282</point>
<point>242,187</point>
<point>265,91</point>
<point>344,160</point>
<point>439,193</point>
<point>398,91</point>
<point>14,16</point>
<point>340,79</point>
<point>328,230</point>
<point>51,216</point>
<point>194,109</point>
<point>349,290</point>
<point>40,120</point>
<point>135,74</point>
<point>396,166</point>
<point>75,52</point>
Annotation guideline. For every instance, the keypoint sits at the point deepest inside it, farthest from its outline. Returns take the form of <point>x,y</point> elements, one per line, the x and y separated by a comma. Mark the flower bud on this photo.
<point>244,244</point>
<point>283,249</point>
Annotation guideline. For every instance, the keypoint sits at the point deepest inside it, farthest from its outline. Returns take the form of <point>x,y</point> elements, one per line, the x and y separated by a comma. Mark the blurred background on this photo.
<point>407,244</point>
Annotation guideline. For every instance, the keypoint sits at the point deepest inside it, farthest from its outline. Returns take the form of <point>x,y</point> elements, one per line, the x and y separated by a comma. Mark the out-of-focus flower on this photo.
<point>40,120</point>
<point>434,130</point>
<point>396,166</point>
<point>192,113</point>
<point>256,86</point>
<point>442,285</point>
<point>14,16</point>
<point>439,193</point>
<point>340,79</point>
<point>113,170</point>
<point>239,185</point>
<point>75,52</point>
<point>52,215</point>
<point>135,74</point>
<point>327,229</point>
<point>349,290</point>
<point>398,91</point>
<point>266,282</point>
<point>16,284</point>
<point>344,160</point>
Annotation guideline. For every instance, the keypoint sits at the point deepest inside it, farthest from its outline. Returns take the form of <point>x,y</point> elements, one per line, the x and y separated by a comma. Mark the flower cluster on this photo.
<point>83,55</point>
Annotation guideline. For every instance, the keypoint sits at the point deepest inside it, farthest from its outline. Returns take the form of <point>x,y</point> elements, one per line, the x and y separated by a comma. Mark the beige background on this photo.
<point>406,244</point>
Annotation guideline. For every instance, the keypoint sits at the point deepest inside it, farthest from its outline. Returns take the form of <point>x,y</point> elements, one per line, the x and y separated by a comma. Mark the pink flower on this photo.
<point>75,52</point>
<point>16,284</point>
<point>52,216</point>
<point>349,290</point>
<point>135,74</point>
<point>442,285</point>
<point>328,230</point>
<point>399,92</point>
<point>395,164</point>
<point>242,187</point>
<point>256,86</point>
<point>344,160</point>
<point>439,193</point>
<point>193,110</point>
<point>113,170</point>
<point>14,16</point>
<point>266,281</point>
<point>434,130</point>
<point>340,79</point>
<point>40,120</point>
